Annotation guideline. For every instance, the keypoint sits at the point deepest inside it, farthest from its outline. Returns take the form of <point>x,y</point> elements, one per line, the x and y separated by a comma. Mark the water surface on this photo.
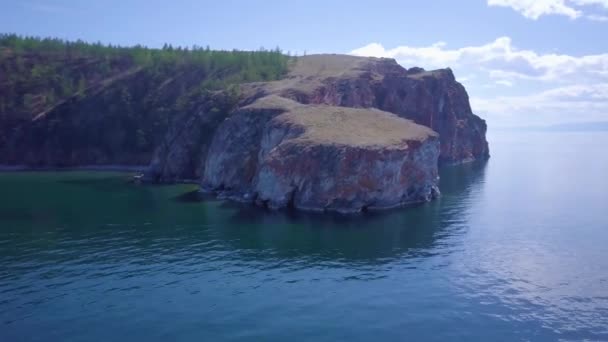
<point>515,249</point>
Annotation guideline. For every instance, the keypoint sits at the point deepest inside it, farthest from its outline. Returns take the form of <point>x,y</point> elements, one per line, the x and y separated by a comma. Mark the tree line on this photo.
<point>41,71</point>
<point>122,96</point>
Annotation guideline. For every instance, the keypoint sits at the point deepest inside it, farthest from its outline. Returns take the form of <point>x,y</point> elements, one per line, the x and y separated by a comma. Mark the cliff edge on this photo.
<point>430,98</point>
<point>320,132</point>
<point>280,153</point>
<point>338,133</point>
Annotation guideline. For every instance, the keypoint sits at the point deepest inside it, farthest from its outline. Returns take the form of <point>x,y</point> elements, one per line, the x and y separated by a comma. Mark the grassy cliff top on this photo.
<point>345,126</point>
<point>333,65</point>
<point>307,74</point>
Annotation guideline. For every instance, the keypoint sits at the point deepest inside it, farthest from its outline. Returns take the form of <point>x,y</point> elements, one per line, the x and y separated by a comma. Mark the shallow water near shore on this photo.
<point>515,249</point>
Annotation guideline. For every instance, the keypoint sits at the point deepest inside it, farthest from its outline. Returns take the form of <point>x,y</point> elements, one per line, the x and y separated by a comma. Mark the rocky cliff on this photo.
<point>321,132</point>
<point>279,153</point>
<point>66,104</point>
<point>338,133</point>
<point>430,98</point>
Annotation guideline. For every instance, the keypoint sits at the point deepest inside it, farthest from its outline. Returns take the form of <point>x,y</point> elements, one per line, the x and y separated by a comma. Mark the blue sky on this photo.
<point>524,62</point>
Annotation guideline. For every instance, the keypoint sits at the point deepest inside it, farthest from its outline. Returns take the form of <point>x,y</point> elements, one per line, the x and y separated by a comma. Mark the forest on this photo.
<point>36,73</point>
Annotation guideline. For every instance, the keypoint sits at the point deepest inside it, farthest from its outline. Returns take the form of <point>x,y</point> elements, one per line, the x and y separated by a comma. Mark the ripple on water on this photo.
<point>484,262</point>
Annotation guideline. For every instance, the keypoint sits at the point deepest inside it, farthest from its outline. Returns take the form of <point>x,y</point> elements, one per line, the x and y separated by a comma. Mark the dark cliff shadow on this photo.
<point>194,196</point>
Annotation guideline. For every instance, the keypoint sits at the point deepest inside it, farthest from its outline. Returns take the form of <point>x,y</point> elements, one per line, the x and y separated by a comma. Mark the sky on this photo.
<point>523,62</point>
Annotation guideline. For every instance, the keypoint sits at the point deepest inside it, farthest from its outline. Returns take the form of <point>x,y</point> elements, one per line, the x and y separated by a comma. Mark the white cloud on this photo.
<point>534,9</point>
<point>505,83</point>
<point>499,59</point>
<point>510,86</point>
<point>467,78</point>
<point>575,103</point>
<point>603,3</point>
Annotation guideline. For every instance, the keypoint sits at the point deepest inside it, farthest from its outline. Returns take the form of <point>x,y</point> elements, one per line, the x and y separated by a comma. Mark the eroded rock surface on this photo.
<point>280,153</point>
<point>181,155</point>
<point>430,98</point>
<point>339,133</point>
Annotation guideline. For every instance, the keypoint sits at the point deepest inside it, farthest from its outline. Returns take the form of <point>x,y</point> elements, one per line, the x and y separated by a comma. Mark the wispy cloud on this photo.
<point>499,59</point>
<point>534,9</point>
<point>505,83</point>
<point>541,86</point>
<point>575,103</point>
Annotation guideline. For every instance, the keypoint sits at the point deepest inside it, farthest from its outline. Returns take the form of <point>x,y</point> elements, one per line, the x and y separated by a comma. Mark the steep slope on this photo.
<point>321,132</point>
<point>333,135</point>
<point>431,98</point>
<point>280,153</point>
<point>67,104</point>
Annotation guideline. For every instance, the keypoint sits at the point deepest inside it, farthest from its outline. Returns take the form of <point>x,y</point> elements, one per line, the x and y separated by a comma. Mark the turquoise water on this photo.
<point>515,249</point>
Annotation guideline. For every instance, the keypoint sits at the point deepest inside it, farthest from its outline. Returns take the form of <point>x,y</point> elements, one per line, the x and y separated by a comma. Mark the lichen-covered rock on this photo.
<point>282,154</point>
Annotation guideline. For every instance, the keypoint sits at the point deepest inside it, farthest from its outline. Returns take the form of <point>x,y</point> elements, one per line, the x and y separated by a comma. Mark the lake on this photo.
<point>515,249</point>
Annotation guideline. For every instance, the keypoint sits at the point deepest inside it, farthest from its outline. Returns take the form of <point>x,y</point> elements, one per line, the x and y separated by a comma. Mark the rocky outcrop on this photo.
<point>331,132</point>
<point>339,133</point>
<point>430,98</point>
<point>279,153</point>
<point>71,104</point>
<point>182,153</point>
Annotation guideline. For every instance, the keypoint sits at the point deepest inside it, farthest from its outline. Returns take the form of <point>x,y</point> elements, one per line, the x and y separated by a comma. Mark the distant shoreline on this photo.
<point>118,168</point>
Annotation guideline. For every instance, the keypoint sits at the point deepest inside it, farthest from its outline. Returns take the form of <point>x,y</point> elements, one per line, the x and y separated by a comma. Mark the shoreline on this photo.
<point>138,169</point>
<point>117,168</point>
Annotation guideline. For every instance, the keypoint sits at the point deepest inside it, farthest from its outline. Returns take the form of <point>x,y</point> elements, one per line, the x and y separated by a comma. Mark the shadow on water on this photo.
<point>107,183</point>
<point>103,214</point>
<point>194,196</point>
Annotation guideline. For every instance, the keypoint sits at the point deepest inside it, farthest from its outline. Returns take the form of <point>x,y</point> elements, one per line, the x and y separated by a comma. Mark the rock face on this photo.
<point>279,153</point>
<point>339,133</point>
<point>430,98</point>
<point>182,153</point>
<point>68,104</point>
<point>331,132</point>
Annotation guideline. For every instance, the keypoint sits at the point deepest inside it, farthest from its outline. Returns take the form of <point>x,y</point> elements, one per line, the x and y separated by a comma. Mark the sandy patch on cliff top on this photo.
<point>343,125</point>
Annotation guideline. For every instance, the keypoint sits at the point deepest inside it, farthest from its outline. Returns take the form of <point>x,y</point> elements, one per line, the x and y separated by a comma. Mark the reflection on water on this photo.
<point>492,259</point>
<point>372,237</point>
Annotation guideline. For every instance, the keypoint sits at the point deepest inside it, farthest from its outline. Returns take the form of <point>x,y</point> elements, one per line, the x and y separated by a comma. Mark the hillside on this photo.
<point>337,133</point>
<point>73,103</point>
<point>319,132</point>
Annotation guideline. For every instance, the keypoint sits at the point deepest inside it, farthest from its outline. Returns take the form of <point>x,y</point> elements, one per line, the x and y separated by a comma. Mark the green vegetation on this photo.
<point>118,101</point>
<point>38,73</point>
